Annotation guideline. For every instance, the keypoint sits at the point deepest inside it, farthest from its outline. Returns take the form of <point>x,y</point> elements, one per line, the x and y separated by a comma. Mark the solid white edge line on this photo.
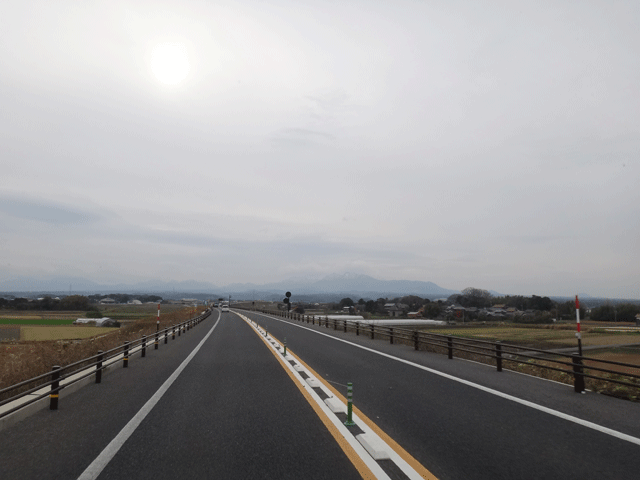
<point>102,460</point>
<point>564,416</point>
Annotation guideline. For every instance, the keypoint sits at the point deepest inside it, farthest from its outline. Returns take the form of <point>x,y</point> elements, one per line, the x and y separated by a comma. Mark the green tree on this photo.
<point>75,302</point>
<point>432,310</point>
<point>413,301</point>
<point>346,302</point>
<point>371,306</point>
<point>475,297</point>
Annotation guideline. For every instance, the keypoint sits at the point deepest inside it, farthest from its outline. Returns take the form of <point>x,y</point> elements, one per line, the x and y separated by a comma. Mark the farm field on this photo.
<point>43,333</point>
<point>558,337</point>
<point>542,337</point>
<point>136,312</point>
<point>36,321</point>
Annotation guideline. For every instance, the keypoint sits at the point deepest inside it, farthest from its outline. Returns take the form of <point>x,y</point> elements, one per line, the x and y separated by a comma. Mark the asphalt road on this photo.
<point>232,413</point>
<point>458,430</point>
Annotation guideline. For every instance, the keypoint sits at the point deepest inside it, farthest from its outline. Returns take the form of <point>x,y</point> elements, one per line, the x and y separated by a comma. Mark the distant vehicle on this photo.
<point>224,307</point>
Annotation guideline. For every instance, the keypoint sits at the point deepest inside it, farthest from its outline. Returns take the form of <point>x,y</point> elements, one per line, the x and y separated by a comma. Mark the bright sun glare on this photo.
<point>170,63</point>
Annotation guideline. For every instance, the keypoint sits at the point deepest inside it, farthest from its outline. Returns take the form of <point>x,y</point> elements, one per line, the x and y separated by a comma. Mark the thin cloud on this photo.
<point>45,211</point>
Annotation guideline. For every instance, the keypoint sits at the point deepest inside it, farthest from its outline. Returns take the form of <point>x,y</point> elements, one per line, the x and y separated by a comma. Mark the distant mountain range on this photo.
<point>337,284</point>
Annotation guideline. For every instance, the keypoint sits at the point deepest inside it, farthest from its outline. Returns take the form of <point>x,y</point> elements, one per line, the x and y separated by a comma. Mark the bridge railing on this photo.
<point>570,366</point>
<point>50,384</point>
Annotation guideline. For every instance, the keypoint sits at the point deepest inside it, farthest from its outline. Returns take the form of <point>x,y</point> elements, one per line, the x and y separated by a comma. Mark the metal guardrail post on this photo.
<point>578,374</point>
<point>391,335</point>
<point>450,347</point>
<point>166,336</point>
<point>335,323</point>
<point>326,322</point>
<point>499,356</point>
<point>345,326</point>
<point>416,341</point>
<point>173,332</point>
<point>125,357</point>
<point>372,331</point>
<point>99,366</point>
<point>143,350</point>
<point>55,387</point>
<point>357,328</point>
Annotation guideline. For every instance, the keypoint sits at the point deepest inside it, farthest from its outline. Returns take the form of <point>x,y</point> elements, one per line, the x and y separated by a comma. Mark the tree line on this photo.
<point>70,302</point>
<point>544,308</point>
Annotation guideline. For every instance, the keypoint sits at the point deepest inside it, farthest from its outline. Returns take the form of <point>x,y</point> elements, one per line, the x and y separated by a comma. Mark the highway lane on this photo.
<point>457,431</point>
<point>232,413</point>
<point>60,444</point>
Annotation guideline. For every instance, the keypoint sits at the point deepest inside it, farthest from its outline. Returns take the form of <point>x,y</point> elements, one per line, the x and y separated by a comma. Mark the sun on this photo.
<point>170,63</point>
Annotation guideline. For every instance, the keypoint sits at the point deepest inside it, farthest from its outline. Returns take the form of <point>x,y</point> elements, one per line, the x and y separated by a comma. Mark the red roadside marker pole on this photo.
<point>578,334</point>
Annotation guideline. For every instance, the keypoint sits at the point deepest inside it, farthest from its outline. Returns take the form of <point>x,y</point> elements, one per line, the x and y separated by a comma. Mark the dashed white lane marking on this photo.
<point>102,460</point>
<point>535,406</point>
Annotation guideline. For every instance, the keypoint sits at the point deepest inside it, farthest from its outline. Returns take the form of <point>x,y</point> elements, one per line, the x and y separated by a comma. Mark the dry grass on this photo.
<point>545,337</point>
<point>71,332</point>
<point>20,361</point>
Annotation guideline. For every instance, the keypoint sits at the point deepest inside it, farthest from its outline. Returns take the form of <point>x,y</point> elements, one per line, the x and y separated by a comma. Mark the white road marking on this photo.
<point>550,411</point>
<point>102,460</point>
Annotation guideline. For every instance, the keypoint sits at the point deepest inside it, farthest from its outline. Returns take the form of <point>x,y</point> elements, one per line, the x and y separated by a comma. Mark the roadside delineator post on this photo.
<point>285,346</point>
<point>143,349</point>
<point>55,387</point>
<point>173,332</point>
<point>499,355</point>
<point>125,357</point>
<point>349,421</point>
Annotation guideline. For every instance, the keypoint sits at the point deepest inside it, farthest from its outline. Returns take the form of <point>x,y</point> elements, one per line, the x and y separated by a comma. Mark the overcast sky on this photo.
<point>485,144</point>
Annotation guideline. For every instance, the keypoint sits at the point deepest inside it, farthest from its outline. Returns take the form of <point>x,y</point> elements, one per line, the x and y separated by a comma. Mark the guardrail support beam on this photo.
<point>578,374</point>
<point>55,387</point>
<point>125,357</point>
<point>99,366</point>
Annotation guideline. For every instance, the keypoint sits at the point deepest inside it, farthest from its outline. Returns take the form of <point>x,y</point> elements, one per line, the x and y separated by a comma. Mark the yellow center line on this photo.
<point>417,466</point>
